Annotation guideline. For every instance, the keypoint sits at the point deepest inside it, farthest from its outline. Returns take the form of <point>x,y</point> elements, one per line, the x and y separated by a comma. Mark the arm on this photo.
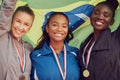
<point>33,58</point>
<point>0,3</point>
<point>7,9</point>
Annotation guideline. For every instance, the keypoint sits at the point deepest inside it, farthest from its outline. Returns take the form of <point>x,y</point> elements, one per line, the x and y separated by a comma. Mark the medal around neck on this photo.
<point>86,73</point>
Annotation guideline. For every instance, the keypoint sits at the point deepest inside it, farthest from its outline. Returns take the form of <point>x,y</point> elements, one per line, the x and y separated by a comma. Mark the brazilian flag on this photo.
<point>77,10</point>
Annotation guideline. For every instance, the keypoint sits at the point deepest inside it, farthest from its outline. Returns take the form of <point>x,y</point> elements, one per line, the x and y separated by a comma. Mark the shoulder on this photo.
<point>72,50</point>
<point>45,50</point>
<point>35,53</point>
<point>28,46</point>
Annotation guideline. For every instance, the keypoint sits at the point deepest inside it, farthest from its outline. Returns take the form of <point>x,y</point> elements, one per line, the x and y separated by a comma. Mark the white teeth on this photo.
<point>99,23</point>
<point>57,34</point>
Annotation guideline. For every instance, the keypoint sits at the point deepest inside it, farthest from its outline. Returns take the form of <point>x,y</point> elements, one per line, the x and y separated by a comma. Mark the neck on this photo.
<point>57,46</point>
<point>96,34</point>
<point>17,39</point>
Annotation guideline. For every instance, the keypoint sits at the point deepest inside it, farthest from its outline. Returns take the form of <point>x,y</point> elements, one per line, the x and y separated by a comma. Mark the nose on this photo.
<point>100,16</point>
<point>20,27</point>
<point>59,28</point>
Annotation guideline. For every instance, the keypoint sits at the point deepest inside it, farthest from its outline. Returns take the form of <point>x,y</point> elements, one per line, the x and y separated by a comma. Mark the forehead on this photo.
<point>103,7</point>
<point>23,15</point>
<point>58,17</point>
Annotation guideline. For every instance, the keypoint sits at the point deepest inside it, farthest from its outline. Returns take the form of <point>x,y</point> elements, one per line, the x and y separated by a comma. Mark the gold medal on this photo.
<point>22,77</point>
<point>86,73</point>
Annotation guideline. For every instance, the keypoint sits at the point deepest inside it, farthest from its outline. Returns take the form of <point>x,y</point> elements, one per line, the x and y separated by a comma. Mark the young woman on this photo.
<point>53,58</point>
<point>15,63</point>
<point>99,55</point>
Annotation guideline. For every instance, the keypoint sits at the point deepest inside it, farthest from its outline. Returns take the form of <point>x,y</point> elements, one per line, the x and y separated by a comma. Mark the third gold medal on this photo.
<point>86,72</point>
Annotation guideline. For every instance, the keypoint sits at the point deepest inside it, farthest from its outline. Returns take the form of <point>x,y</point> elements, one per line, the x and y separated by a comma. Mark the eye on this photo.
<point>107,15</point>
<point>54,24</point>
<point>26,24</point>
<point>95,12</point>
<point>18,21</point>
<point>65,26</point>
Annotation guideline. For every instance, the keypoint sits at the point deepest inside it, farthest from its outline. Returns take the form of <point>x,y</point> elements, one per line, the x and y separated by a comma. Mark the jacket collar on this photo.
<point>45,50</point>
<point>103,42</point>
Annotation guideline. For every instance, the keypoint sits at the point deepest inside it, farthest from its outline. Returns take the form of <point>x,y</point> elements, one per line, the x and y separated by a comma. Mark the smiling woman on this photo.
<point>53,52</point>
<point>21,24</point>
<point>14,52</point>
<point>99,54</point>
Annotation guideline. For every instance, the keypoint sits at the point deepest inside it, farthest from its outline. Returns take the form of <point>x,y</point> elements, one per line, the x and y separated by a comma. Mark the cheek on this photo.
<point>107,25</point>
<point>92,20</point>
<point>50,30</point>
<point>66,32</point>
<point>108,22</point>
<point>15,23</point>
<point>26,29</point>
<point>13,27</point>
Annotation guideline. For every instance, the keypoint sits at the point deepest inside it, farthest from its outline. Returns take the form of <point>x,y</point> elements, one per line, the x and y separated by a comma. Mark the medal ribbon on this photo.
<point>21,58</point>
<point>88,54</point>
<point>63,73</point>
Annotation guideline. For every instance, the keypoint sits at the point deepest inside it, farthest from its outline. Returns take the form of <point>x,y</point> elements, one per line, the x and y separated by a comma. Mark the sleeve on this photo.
<point>29,46</point>
<point>33,75</point>
<point>7,9</point>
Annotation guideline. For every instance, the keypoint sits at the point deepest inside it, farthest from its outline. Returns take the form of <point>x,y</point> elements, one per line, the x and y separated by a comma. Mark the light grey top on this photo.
<point>10,68</point>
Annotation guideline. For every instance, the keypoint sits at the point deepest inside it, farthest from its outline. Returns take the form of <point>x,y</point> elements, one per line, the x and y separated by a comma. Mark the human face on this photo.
<point>21,24</point>
<point>57,28</point>
<point>101,17</point>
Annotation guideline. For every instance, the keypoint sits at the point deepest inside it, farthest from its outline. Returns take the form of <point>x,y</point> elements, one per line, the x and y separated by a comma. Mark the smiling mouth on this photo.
<point>99,23</point>
<point>58,34</point>
<point>17,31</point>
